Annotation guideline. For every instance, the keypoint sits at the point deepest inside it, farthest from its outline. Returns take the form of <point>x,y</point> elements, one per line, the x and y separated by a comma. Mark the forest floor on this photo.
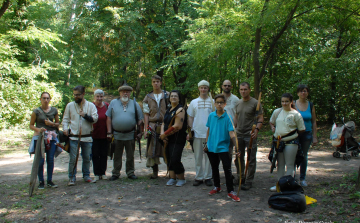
<point>331,181</point>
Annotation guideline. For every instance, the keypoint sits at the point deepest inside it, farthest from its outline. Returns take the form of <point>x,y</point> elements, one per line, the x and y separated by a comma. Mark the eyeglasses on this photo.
<point>174,96</point>
<point>225,85</point>
<point>219,102</point>
<point>77,95</point>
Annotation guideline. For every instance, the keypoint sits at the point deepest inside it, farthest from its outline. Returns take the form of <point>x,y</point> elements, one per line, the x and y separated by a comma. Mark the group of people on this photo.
<point>214,126</point>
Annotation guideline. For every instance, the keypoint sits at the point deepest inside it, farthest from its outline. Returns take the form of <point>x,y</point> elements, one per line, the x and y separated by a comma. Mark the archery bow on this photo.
<point>138,127</point>
<point>251,138</point>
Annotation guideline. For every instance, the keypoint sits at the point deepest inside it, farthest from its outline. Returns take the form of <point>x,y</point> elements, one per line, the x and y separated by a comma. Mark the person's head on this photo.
<point>245,90</point>
<point>156,82</point>
<point>125,92</point>
<point>220,102</point>
<point>175,97</point>
<point>203,87</point>
<point>303,91</point>
<point>79,93</point>
<point>98,96</point>
<point>226,86</point>
<point>45,98</point>
<point>286,101</point>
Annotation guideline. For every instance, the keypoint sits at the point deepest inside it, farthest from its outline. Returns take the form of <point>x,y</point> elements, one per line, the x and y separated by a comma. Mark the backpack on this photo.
<point>288,201</point>
<point>288,183</point>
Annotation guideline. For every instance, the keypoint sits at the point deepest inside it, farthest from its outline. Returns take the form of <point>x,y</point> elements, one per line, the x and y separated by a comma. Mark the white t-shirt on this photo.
<point>200,109</point>
<point>231,102</point>
<point>286,122</point>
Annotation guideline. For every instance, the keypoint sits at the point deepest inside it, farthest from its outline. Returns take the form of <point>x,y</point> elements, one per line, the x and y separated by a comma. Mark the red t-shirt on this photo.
<point>100,129</point>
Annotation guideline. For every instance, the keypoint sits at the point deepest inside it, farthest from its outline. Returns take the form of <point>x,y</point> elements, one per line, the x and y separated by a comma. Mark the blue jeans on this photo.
<point>305,140</point>
<point>85,153</point>
<point>49,161</point>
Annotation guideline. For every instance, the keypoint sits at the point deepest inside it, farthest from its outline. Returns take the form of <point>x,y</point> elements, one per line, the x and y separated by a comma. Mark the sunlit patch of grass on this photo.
<point>14,140</point>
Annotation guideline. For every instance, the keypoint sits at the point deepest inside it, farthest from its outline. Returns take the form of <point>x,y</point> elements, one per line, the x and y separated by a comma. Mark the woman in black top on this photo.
<point>173,132</point>
<point>45,119</point>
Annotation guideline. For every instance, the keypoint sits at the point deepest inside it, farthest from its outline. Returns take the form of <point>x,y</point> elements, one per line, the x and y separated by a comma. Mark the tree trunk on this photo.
<point>4,7</point>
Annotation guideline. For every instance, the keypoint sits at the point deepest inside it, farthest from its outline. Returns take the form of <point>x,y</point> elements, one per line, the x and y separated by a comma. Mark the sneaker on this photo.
<point>97,177</point>
<point>215,191</point>
<point>71,183</point>
<point>273,189</point>
<point>303,183</point>
<point>112,178</point>
<point>208,182</point>
<point>104,177</point>
<point>171,182</point>
<point>246,186</point>
<point>181,183</point>
<point>197,182</point>
<point>233,196</point>
<point>89,180</point>
<point>51,184</point>
<point>41,185</point>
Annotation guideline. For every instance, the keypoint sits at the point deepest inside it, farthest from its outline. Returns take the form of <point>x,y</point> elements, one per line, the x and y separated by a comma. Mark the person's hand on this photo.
<point>254,134</point>
<point>138,136</point>
<point>66,132</point>
<point>145,135</point>
<point>205,147</point>
<point>82,113</point>
<point>187,137</point>
<point>42,129</point>
<point>315,141</point>
<point>238,154</point>
<point>109,137</point>
<point>48,122</point>
<point>162,136</point>
<point>273,128</point>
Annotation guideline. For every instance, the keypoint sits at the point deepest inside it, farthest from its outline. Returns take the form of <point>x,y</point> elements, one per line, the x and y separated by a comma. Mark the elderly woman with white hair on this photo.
<point>100,143</point>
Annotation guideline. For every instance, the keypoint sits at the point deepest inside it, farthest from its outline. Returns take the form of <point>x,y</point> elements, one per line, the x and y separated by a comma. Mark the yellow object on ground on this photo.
<point>310,200</point>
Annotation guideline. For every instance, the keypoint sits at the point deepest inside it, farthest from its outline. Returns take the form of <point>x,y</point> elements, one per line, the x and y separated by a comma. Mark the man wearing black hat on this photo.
<point>121,122</point>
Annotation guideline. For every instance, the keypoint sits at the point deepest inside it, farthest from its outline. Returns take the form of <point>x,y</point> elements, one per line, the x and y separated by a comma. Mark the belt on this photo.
<point>124,131</point>
<point>87,135</point>
<point>158,123</point>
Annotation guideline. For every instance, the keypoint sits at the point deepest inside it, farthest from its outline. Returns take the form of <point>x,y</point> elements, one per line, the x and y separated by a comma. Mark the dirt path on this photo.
<point>146,200</point>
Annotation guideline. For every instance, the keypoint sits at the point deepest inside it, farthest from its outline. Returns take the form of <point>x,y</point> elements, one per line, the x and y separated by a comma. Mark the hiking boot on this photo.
<point>233,196</point>
<point>89,180</point>
<point>155,172</point>
<point>246,186</point>
<point>273,189</point>
<point>181,183</point>
<point>215,191</point>
<point>41,185</point>
<point>197,182</point>
<point>97,178</point>
<point>208,182</point>
<point>171,182</point>
<point>112,178</point>
<point>104,177</point>
<point>51,184</point>
<point>303,183</point>
<point>71,183</point>
<point>133,177</point>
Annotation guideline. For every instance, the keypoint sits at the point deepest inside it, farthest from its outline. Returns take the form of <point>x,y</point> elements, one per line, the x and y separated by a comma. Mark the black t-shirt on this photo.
<point>180,136</point>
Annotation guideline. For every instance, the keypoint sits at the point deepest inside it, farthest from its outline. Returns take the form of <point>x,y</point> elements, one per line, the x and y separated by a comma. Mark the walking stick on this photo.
<point>251,139</point>
<point>39,153</point>
<point>78,147</point>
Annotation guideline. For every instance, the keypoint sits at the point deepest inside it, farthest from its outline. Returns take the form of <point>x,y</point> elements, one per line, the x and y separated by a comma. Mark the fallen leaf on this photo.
<point>155,212</point>
<point>103,206</point>
<point>203,219</point>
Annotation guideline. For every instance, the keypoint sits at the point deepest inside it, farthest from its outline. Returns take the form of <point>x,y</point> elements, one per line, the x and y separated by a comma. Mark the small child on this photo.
<point>220,131</point>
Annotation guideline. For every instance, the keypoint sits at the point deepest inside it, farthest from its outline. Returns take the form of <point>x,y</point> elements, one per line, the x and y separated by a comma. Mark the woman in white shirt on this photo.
<point>287,123</point>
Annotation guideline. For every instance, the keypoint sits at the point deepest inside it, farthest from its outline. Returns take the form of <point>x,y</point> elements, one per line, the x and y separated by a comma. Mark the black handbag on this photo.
<point>288,201</point>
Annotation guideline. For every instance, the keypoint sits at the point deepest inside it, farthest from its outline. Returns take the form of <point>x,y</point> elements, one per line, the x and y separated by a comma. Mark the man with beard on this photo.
<point>244,119</point>
<point>198,111</point>
<point>121,121</point>
<point>231,101</point>
<point>154,108</point>
<point>79,115</point>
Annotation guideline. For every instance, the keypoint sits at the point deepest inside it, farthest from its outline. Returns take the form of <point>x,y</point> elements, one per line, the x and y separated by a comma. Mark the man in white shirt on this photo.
<point>198,111</point>
<point>79,114</point>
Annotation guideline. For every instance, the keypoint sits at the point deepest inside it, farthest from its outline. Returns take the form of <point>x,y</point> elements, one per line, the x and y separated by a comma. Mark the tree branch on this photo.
<point>4,7</point>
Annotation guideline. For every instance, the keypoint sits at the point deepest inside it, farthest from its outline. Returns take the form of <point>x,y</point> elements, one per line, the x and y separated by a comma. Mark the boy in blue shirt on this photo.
<point>220,132</point>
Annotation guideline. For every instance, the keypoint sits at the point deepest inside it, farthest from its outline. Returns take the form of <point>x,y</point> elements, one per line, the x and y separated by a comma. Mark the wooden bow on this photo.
<point>251,138</point>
